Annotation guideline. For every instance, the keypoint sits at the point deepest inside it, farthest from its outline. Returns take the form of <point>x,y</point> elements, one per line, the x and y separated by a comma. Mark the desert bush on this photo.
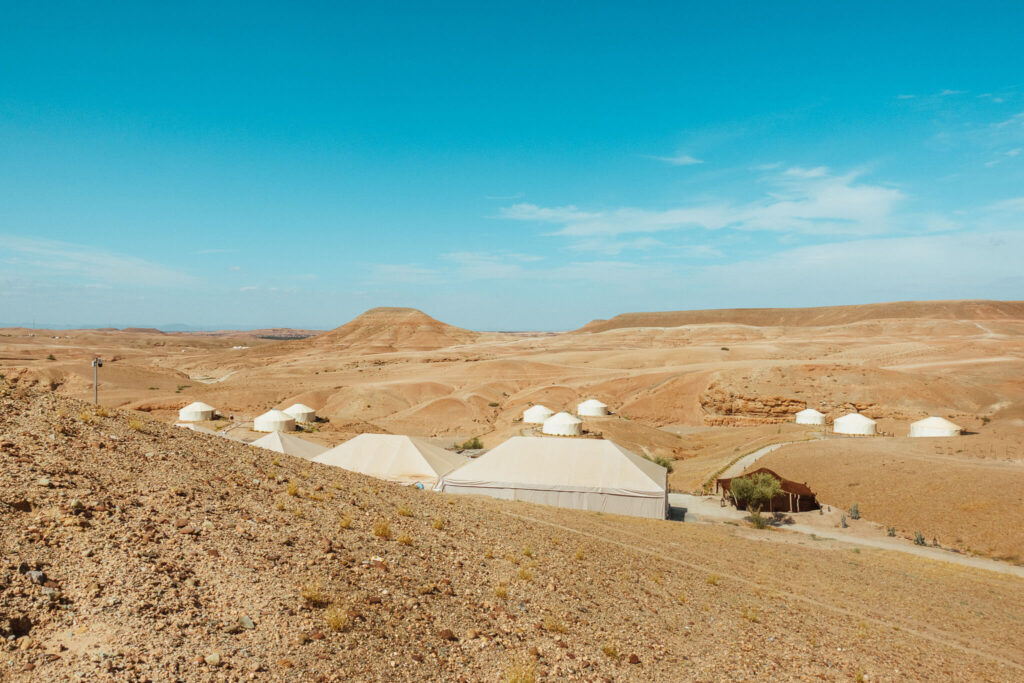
<point>337,620</point>
<point>610,651</point>
<point>525,574</point>
<point>521,672</point>
<point>891,530</point>
<point>842,521</point>
<point>919,538</point>
<point>667,463</point>
<point>382,529</point>
<point>492,404</point>
<point>554,625</point>
<point>758,520</point>
<point>488,554</point>
<point>579,555</point>
<point>314,595</point>
<point>405,539</point>
<point>136,425</point>
<point>855,512</point>
<point>712,579</point>
<point>501,591</point>
<point>49,356</point>
<point>293,489</point>
<point>404,511</point>
<point>345,522</point>
<point>85,416</point>
<point>438,523</point>
<point>527,551</point>
<point>472,444</point>
<point>755,490</point>
<point>102,412</point>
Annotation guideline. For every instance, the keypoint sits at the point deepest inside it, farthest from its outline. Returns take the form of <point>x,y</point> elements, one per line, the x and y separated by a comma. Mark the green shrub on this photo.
<point>473,444</point>
<point>855,512</point>
<point>919,538</point>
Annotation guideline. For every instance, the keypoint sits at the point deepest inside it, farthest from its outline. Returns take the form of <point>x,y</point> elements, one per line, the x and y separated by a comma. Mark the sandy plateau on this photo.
<point>134,550</point>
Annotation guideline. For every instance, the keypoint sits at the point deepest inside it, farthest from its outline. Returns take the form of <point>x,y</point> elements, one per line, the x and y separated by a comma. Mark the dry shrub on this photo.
<point>404,511</point>
<point>554,624</point>
<point>85,416</point>
<point>437,524</point>
<point>136,425</point>
<point>337,620</point>
<point>610,651</point>
<point>314,595</point>
<point>712,579</point>
<point>579,555</point>
<point>102,412</point>
<point>488,554</point>
<point>293,489</point>
<point>501,591</point>
<point>525,574</point>
<point>345,522</point>
<point>405,539</point>
<point>521,672</point>
<point>382,529</point>
<point>527,551</point>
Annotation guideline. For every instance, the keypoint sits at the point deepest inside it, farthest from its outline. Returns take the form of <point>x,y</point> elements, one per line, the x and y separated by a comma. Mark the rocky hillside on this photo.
<point>814,317</point>
<point>144,552</point>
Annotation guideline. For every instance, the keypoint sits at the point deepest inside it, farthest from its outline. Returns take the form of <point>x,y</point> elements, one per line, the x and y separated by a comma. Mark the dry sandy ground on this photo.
<point>135,551</point>
<point>714,387</point>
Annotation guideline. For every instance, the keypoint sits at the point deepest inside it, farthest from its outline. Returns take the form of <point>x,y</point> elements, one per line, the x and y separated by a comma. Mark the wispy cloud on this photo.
<point>802,201</point>
<point>678,159</point>
<point>87,263</point>
<point>947,92</point>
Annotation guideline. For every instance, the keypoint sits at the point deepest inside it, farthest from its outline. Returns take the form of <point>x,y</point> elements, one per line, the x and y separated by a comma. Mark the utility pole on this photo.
<point>97,363</point>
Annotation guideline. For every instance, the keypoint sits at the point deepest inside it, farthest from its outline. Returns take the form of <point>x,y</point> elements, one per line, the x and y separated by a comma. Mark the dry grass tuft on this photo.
<point>525,574</point>
<point>85,416</point>
<point>314,595</point>
<point>405,539</point>
<point>404,511</point>
<point>554,625</point>
<point>136,425</point>
<point>527,551</point>
<point>293,489</point>
<point>610,651</point>
<point>102,412</point>
<point>579,555</point>
<point>438,523</point>
<point>712,579</point>
<point>382,529</point>
<point>501,591</point>
<point>489,554</point>
<point>521,672</point>
<point>345,522</point>
<point>337,620</point>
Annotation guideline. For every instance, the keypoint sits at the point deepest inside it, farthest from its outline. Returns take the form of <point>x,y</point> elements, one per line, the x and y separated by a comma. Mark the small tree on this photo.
<point>755,491</point>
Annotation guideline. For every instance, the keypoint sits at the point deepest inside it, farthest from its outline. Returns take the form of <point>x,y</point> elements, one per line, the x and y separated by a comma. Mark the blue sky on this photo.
<point>503,167</point>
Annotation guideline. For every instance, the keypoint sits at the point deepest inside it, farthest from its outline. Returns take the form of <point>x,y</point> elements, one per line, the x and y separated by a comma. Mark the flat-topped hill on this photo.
<point>815,317</point>
<point>395,329</point>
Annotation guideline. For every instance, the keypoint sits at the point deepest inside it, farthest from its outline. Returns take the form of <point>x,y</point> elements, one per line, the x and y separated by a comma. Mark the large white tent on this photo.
<point>289,445</point>
<point>810,416</point>
<point>935,426</point>
<point>585,474</point>
<point>274,421</point>
<point>591,408</point>
<point>301,413</point>
<point>563,424</point>
<point>402,459</point>
<point>854,423</point>
<point>537,414</point>
<point>196,412</point>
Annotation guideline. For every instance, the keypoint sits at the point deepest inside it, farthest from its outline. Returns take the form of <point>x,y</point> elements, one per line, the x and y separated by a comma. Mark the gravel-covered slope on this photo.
<point>136,551</point>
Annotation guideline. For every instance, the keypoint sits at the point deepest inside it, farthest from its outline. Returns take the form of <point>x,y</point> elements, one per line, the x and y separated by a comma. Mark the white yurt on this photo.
<point>935,426</point>
<point>536,415</point>
<point>563,424</point>
<point>591,408</point>
<point>810,416</point>
<point>196,412</point>
<point>289,445</point>
<point>584,474</point>
<point>274,421</point>
<point>301,413</point>
<point>854,423</point>
<point>393,457</point>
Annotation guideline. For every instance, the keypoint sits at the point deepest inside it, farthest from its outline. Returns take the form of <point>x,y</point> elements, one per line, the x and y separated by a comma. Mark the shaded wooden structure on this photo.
<point>795,497</point>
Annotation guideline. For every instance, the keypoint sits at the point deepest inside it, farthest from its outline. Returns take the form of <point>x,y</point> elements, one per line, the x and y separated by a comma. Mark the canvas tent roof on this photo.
<point>198,405</point>
<point>592,474</point>
<point>402,459</point>
<point>564,418</point>
<point>593,403</point>
<point>280,442</point>
<point>810,412</point>
<point>537,414</point>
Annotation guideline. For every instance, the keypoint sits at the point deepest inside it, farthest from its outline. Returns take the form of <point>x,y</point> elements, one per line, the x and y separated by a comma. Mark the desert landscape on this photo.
<point>138,550</point>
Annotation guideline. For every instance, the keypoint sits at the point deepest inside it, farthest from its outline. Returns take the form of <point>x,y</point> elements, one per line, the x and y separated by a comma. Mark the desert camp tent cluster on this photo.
<point>856,424</point>
<point>585,474</point>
